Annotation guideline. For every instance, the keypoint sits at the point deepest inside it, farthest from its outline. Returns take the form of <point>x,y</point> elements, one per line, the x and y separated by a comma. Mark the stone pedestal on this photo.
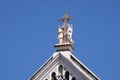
<point>64,47</point>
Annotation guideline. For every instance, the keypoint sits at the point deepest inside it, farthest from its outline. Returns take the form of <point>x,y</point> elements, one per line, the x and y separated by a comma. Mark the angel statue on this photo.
<point>69,33</point>
<point>60,35</point>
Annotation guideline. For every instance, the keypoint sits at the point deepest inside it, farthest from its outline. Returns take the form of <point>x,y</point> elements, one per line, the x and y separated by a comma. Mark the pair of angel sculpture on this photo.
<point>65,34</point>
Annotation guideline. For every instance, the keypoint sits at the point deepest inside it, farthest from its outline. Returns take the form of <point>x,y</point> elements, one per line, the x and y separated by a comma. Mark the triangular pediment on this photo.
<point>69,63</point>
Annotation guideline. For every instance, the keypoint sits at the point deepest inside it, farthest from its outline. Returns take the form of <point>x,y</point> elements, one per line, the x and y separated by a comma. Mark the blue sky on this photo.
<point>28,32</point>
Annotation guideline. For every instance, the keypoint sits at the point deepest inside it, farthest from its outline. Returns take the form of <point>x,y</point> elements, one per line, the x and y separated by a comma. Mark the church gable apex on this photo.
<point>60,65</point>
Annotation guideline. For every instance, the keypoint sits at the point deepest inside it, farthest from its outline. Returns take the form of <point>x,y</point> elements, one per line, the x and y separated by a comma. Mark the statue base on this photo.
<point>64,47</point>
